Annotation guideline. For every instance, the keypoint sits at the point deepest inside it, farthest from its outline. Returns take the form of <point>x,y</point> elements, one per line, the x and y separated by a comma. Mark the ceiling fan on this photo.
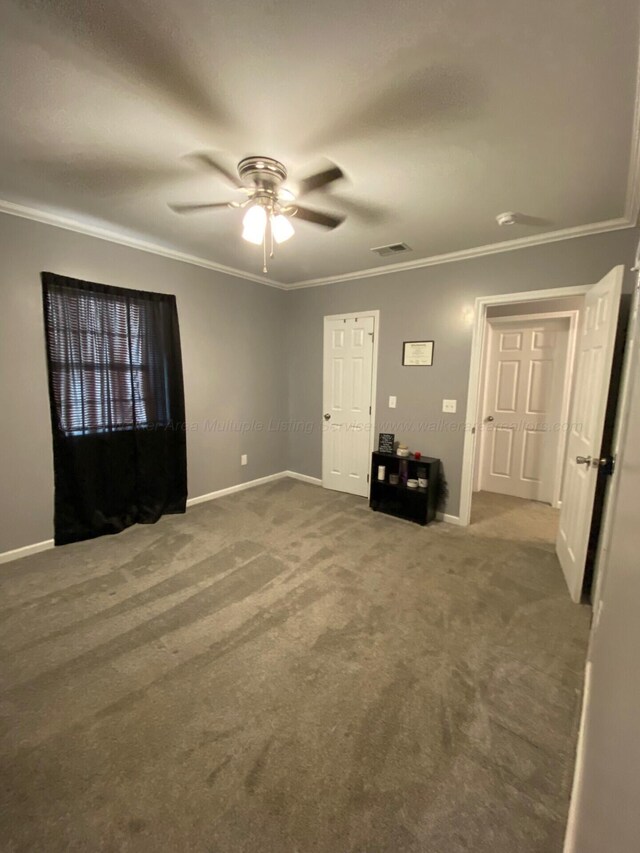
<point>269,206</point>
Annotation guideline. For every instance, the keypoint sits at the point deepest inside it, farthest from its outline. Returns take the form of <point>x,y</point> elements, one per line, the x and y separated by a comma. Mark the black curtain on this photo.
<point>117,406</point>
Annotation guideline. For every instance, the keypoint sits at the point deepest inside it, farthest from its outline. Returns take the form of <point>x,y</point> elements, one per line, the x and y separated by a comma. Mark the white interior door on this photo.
<point>347,389</point>
<point>524,387</point>
<point>596,341</point>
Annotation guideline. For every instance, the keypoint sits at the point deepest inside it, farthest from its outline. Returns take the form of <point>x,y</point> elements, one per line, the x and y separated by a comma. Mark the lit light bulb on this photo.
<point>282,228</point>
<point>254,224</point>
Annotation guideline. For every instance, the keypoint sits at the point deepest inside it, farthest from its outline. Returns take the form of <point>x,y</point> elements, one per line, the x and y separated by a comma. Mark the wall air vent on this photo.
<point>391,249</point>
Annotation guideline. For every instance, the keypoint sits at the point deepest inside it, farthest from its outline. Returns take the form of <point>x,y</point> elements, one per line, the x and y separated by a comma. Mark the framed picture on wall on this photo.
<point>386,442</point>
<point>417,353</point>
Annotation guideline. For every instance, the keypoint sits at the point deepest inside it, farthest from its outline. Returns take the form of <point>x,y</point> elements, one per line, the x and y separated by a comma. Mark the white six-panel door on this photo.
<point>524,385</point>
<point>347,391</point>
<point>596,340</point>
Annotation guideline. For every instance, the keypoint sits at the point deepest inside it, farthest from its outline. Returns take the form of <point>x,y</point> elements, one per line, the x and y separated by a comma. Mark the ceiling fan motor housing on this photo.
<point>263,172</point>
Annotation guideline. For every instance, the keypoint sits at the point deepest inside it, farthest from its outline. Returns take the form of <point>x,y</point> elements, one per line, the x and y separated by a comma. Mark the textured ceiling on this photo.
<point>441,114</point>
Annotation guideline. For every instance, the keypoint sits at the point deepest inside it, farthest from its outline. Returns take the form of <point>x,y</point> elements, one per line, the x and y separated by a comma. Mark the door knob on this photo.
<point>490,418</point>
<point>327,416</point>
<point>583,460</point>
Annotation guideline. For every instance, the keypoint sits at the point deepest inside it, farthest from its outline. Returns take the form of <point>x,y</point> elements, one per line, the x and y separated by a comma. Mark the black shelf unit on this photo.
<point>417,505</point>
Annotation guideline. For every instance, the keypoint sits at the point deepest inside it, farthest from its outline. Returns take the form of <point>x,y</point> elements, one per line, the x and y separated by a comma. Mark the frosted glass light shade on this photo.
<point>282,228</point>
<point>254,224</point>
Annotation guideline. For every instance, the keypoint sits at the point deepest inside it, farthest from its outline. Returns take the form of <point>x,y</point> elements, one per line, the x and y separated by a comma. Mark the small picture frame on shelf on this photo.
<point>386,442</point>
<point>417,353</point>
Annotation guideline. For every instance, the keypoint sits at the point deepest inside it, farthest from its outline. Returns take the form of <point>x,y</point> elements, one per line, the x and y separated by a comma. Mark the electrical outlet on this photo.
<point>449,406</point>
<point>392,402</point>
<point>243,459</point>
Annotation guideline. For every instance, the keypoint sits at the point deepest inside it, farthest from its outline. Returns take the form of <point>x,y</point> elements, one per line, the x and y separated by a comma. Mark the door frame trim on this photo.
<point>569,314</point>
<point>353,315</point>
<point>475,367</point>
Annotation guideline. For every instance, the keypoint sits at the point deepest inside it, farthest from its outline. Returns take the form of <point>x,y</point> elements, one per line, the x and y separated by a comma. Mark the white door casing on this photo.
<point>348,403</point>
<point>596,342</point>
<point>471,444</point>
<point>523,402</point>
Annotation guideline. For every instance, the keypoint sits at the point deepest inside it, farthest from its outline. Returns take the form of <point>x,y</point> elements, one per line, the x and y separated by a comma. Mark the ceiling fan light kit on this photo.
<point>254,224</point>
<point>269,205</point>
<point>281,227</point>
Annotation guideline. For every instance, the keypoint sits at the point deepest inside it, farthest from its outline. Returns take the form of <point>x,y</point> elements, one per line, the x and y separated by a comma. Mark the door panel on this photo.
<point>510,341</point>
<point>532,455</point>
<point>502,456</point>
<point>595,354</point>
<point>507,386</point>
<point>540,389</point>
<point>524,384</point>
<point>348,372</point>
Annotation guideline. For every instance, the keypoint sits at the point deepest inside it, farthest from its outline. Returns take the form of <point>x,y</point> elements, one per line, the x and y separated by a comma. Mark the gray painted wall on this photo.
<point>253,354</point>
<point>607,813</point>
<point>424,304</point>
<point>233,348</point>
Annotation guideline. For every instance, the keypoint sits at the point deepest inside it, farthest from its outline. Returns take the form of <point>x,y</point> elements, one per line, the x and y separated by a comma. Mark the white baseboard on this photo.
<point>305,478</point>
<point>26,551</point>
<point>449,519</point>
<point>570,838</point>
<point>240,487</point>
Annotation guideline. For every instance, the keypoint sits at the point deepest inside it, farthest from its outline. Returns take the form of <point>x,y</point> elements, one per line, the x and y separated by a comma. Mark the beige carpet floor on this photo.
<point>500,516</point>
<point>284,671</point>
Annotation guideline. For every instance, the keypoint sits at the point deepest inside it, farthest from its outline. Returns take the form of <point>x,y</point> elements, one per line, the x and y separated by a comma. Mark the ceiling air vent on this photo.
<point>391,249</point>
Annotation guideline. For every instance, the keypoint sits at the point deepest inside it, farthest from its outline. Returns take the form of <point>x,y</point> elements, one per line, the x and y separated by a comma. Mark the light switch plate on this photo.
<point>449,406</point>
<point>243,459</point>
<point>392,402</point>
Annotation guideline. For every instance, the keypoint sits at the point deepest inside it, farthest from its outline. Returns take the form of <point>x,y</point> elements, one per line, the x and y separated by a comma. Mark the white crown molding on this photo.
<point>629,220</point>
<point>476,252</point>
<point>58,221</point>
<point>69,224</point>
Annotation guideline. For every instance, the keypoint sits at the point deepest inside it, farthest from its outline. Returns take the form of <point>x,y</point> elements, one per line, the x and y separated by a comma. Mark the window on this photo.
<point>115,375</point>
<point>107,363</point>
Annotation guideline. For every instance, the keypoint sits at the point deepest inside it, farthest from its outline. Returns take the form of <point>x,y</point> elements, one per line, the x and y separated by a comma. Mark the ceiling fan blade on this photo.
<point>195,208</point>
<point>210,162</point>
<point>135,43</point>
<point>371,214</point>
<point>419,96</point>
<point>320,179</point>
<point>327,220</point>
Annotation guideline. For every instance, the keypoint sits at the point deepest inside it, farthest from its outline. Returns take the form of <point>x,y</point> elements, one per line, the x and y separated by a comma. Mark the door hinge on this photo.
<point>367,478</point>
<point>473,430</point>
<point>369,409</point>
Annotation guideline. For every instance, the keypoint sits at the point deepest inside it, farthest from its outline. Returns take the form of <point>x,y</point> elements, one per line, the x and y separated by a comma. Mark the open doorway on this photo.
<point>586,458</point>
<point>525,387</point>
